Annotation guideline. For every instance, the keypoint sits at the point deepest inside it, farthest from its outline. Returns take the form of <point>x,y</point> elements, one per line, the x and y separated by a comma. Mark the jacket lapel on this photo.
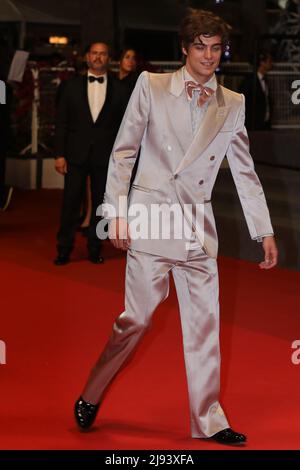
<point>84,93</point>
<point>107,101</point>
<point>178,110</point>
<point>214,119</point>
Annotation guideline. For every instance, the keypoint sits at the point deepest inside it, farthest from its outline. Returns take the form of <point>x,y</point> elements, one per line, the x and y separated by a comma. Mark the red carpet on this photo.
<point>55,321</point>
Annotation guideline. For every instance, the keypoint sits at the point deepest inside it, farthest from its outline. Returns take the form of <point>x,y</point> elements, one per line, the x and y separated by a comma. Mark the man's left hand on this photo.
<point>271,253</point>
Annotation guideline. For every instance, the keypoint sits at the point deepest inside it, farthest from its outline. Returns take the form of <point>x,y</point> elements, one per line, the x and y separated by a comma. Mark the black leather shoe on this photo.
<point>229,437</point>
<point>85,413</point>
<point>62,259</point>
<point>96,259</point>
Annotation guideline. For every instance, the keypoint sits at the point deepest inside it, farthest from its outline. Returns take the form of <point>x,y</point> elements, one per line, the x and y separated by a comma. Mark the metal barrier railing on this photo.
<point>38,127</point>
<point>281,79</point>
<point>286,114</point>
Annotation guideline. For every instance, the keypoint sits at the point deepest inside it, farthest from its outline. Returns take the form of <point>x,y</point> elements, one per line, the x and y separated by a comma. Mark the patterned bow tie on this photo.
<point>93,79</point>
<point>205,92</point>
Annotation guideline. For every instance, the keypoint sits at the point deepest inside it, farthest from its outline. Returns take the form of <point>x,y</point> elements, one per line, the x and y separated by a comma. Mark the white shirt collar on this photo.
<point>260,76</point>
<point>211,83</point>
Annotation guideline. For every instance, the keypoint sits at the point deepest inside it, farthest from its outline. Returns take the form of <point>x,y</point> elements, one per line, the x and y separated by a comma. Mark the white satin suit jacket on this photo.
<point>177,168</point>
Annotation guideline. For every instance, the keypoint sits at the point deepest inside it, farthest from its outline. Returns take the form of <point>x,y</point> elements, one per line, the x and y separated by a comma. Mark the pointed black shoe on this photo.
<point>95,258</point>
<point>85,413</point>
<point>62,259</point>
<point>229,437</point>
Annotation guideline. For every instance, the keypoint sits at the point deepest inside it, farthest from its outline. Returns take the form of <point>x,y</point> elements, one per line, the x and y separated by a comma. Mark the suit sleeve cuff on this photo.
<point>261,237</point>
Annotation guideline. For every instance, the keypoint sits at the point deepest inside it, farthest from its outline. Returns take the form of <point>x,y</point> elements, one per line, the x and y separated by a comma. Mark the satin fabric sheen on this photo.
<point>147,285</point>
<point>175,167</point>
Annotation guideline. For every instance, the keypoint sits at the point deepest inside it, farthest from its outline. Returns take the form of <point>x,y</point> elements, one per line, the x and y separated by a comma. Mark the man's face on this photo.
<point>98,58</point>
<point>203,57</point>
<point>267,64</point>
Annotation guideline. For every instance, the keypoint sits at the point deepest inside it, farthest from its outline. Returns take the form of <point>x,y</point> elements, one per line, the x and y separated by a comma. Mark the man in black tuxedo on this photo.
<point>89,111</point>
<point>256,91</point>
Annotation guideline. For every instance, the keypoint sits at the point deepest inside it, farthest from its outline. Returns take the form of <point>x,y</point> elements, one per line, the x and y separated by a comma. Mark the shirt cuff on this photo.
<point>260,239</point>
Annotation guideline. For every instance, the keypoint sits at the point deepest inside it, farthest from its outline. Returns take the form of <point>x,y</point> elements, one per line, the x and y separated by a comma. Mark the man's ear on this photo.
<point>184,51</point>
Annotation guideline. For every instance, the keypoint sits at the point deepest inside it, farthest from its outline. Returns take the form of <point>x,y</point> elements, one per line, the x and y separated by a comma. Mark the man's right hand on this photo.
<point>61,165</point>
<point>118,233</point>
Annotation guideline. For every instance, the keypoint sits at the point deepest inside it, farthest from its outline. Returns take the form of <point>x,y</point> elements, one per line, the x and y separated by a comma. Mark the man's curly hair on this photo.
<point>203,23</point>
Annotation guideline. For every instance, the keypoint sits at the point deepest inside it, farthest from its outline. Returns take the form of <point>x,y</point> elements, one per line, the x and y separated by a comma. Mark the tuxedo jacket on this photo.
<point>255,112</point>
<point>77,136</point>
<point>177,168</point>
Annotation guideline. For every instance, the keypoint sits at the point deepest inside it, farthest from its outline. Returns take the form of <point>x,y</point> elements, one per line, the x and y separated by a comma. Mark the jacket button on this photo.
<point>168,200</point>
<point>169,148</point>
<point>212,158</point>
<point>201,181</point>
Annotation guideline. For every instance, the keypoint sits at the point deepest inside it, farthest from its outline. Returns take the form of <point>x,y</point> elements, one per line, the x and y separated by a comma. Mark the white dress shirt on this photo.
<point>96,95</point>
<point>265,89</point>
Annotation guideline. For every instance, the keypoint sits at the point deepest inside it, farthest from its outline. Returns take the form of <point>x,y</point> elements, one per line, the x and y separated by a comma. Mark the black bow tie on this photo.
<point>96,79</point>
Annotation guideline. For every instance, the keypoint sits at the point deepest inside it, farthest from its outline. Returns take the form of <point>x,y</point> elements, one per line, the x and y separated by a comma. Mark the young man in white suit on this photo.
<point>185,124</point>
